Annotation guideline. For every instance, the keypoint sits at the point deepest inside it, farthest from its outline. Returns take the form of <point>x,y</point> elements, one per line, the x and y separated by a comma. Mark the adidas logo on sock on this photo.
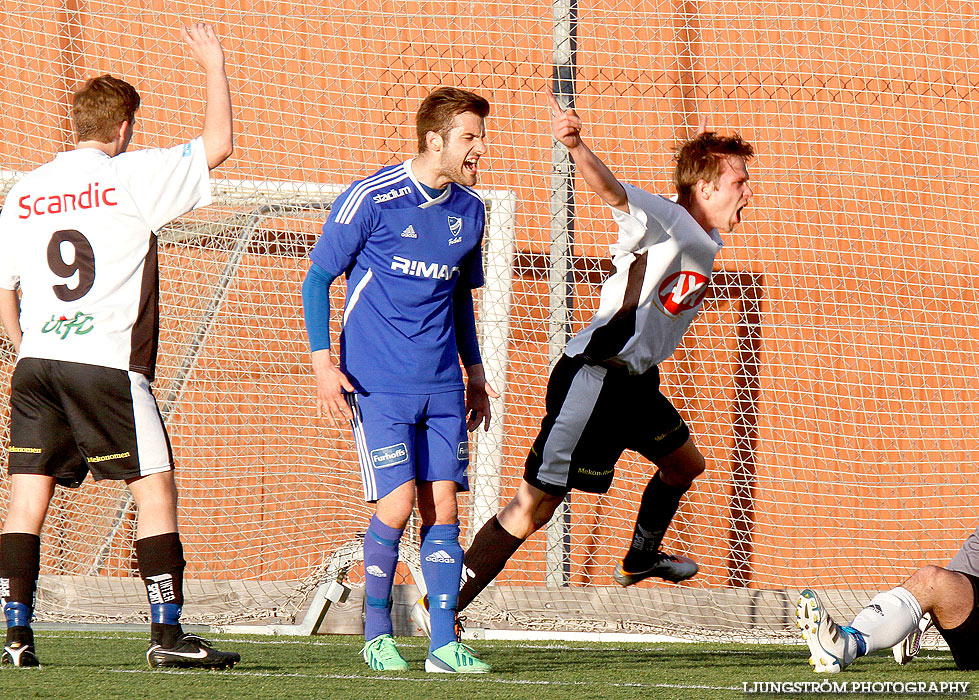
<point>409,232</point>
<point>375,570</point>
<point>440,557</point>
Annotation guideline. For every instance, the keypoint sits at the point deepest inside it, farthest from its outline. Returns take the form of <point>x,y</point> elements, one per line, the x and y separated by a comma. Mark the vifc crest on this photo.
<point>455,229</point>
<point>682,291</point>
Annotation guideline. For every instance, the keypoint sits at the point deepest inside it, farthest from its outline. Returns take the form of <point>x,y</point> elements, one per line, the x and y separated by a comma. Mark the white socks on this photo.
<point>887,619</point>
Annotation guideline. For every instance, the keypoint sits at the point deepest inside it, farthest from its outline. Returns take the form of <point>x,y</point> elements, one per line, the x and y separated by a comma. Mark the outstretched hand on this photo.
<point>204,45</point>
<point>565,124</point>
<point>702,128</point>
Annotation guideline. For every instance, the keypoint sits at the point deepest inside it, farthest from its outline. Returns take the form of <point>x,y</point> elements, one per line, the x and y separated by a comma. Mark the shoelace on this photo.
<point>199,640</point>
<point>379,647</point>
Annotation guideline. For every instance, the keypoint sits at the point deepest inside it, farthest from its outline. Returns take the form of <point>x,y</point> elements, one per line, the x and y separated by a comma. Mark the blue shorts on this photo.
<point>409,437</point>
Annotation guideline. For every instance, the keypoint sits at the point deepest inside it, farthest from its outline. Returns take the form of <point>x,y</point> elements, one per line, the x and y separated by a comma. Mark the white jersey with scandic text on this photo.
<point>663,264</point>
<point>79,234</point>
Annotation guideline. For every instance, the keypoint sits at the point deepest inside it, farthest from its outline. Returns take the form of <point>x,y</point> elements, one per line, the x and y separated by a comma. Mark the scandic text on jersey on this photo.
<point>88,198</point>
<point>420,268</point>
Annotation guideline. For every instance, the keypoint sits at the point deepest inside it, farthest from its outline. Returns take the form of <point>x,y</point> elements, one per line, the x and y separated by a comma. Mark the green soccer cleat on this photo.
<point>455,657</point>
<point>381,654</point>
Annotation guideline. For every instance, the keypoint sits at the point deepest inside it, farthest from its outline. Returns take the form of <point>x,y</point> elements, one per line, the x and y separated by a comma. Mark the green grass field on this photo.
<point>104,666</point>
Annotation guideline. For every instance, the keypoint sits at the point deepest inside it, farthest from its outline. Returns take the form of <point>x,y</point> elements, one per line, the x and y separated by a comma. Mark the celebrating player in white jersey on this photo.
<point>78,236</point>
<point>408,241</point>
<point>603,395</point>
<point>947,597</point>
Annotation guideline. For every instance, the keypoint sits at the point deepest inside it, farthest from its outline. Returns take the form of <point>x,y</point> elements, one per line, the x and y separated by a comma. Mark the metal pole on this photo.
<point>560,268</point>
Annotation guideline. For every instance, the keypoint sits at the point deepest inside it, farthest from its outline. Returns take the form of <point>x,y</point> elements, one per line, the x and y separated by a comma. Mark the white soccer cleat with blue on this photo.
<point>905,651</point>
<point>827,640</point>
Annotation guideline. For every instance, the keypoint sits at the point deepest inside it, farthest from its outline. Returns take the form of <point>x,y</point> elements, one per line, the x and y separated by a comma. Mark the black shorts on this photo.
<point>68,418</point>
<point>964,639</point>
<point>593,413</point>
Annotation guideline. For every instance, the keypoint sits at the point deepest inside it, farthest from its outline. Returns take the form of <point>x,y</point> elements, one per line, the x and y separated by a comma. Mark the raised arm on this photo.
<point>566,127</point>
<point>218,131</point>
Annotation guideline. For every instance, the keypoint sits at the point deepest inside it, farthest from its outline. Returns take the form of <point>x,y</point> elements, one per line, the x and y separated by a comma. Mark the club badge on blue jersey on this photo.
<point>455,230</point>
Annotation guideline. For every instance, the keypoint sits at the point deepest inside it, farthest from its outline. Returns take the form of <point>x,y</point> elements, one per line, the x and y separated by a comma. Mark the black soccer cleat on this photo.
<point>669,567</point>
<point>19,654</point>
<point>190,651</point>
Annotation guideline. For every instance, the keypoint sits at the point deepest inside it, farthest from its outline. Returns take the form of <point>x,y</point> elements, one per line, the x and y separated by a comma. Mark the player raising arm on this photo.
<point>78,235</point>
<point>408,240</point>
<point>603,394</point>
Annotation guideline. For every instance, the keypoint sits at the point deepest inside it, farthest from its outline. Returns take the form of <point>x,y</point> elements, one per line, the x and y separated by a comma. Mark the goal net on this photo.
<point>830,380</point>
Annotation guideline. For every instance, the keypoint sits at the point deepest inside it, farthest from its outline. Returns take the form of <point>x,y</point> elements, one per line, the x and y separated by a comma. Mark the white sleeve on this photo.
<point>166,182</point>
<point>646,222</point>
<point>9,275</point>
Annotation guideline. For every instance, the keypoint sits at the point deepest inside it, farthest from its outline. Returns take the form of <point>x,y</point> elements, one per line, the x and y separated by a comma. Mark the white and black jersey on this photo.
<point>663,263</point>
<point>966,560</point>
<point>79,235</point>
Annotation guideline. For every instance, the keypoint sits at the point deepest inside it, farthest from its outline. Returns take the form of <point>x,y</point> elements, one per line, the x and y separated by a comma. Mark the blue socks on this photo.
<point>17,614</point>
<point>441,557</point>
<point>380,562</point>
<point>165,613</point>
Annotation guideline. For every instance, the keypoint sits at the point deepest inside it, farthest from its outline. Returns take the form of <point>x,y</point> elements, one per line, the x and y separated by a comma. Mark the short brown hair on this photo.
<point>701,158</point>
<point>100,105</point>
<point>439,109</point>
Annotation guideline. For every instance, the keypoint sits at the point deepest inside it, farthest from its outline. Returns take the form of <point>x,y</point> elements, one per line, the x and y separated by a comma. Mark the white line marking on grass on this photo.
<point>466,677</point>
<point>408,642</point>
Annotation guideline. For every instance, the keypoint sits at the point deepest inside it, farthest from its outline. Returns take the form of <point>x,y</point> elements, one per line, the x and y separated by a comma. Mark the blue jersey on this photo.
<point>403,253</point>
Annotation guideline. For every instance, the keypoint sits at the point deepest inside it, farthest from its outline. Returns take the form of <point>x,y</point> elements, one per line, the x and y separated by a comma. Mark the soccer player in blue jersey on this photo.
<point>408,240</point>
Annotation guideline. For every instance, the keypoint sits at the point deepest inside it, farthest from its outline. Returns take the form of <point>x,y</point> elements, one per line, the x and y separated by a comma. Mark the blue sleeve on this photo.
<point>464,318</point>
<point>344,234</point>
<point>471,269</point>
<point>316,307</point>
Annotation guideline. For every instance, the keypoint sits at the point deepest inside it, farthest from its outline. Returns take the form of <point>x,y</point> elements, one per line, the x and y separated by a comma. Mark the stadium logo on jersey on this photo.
<point>420,268</point>
<point>391,194</point>
<point>81,324</point>
<point>455,230</point>
<point>683,291</point>
<point>440,557</point>
<point>89,198</point>
<point>389,456</point>
<point>409,232</point>
<point>462,452</point>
